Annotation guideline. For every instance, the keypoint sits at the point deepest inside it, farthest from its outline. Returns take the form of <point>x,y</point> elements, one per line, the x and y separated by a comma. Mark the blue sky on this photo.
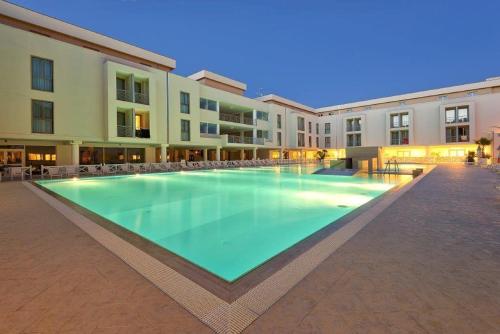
<point>319,53</point>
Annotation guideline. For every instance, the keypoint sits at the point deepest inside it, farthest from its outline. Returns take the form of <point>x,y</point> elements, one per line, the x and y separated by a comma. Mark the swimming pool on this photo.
<point>227,221</point>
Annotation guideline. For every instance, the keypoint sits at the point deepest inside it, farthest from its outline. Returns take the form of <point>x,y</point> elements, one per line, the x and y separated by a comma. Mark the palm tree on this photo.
<point>482,143</point>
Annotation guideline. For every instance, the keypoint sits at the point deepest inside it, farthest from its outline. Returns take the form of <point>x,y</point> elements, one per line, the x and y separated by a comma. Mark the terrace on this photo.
<point>408,270</point>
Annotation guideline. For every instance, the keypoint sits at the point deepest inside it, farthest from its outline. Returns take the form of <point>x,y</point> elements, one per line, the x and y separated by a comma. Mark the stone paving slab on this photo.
<point>430,263</point>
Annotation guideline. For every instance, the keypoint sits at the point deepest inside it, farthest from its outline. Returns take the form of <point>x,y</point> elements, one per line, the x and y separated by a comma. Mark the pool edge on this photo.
<point>221,315</point>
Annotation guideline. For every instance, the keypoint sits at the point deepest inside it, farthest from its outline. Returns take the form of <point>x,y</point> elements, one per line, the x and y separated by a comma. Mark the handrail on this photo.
<point>123,95</point>
<point>226,117</point>
<point>124,131</point>
<point>141,98</point>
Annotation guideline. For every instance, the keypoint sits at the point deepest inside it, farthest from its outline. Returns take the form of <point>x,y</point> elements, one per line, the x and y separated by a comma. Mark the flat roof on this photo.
<point>204,74</point>
<point>50,23</point>
<point>285,101</point>
<point>490,82</point>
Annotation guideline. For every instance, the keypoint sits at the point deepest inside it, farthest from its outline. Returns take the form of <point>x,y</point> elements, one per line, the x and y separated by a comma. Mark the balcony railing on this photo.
<point>142,133</point>
<point>244,140</point>
<point>236,119</point>
<point>141,98</point>
<point>209,135</point>
<point>126,95</point>
<point>124,131</point>
<point>351,128</point>
<point>457,139</point>
<point>128,131</point>
<point>123,95</point>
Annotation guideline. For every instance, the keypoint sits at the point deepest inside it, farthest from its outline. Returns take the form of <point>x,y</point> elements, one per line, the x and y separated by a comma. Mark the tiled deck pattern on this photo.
<point>430,263</point>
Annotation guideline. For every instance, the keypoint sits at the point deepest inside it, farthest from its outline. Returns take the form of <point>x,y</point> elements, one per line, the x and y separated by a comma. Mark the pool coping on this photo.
<point>230,307</point>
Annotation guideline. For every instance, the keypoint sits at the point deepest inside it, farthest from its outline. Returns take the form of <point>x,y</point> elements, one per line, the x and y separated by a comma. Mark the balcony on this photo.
<point>124,131</point>
<point>457,139</point>
<point>351,128</point>
<point>142,133</point>
<point>244,140</point>
<point>141,98</point>
<point>234,118</point>
<point>123,95</point>
<point>129,132</point>
<point>126,95</point>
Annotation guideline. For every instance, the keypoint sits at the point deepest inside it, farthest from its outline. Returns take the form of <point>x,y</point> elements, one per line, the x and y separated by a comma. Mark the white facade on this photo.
<point>107,102</point>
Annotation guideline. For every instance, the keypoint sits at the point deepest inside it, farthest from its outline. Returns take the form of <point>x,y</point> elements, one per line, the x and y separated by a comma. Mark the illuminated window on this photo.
<point>137,122</point>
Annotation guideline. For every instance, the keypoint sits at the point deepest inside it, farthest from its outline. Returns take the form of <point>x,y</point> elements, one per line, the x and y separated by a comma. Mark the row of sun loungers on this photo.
<point>136,168</point>
<point>139,168</point>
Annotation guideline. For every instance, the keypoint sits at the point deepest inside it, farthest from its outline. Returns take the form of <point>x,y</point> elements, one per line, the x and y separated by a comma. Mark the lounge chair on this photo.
<point>122,168</point>
<point>55,171</point>
<point>93,169</point>
<point>108,169</point>
<point>20,172</point>
<point>70,171</point>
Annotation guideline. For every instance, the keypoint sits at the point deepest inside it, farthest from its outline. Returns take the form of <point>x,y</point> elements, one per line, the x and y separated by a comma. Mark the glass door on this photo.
<point>14,158</point>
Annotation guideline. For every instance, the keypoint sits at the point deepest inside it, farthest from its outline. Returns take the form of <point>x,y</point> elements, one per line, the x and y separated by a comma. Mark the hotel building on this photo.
<point>77,97</point>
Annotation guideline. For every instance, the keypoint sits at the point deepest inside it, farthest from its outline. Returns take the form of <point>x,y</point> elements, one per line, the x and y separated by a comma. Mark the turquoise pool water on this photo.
<point>226,221</point>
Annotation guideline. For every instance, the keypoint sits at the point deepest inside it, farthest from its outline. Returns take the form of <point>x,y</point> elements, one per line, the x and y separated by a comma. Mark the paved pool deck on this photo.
<point>430,263</point>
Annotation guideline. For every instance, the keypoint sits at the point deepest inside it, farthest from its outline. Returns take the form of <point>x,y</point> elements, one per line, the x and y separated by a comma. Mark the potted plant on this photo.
<point>481,144</point>
<point>321,155</point>
<point>470,157</point>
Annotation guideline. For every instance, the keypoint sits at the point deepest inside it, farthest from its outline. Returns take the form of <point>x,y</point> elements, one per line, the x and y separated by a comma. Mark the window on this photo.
<point>457,134</point>
<point>120,84</point>
<point>463,114</point>
<point>327,128</point>
<point>138,87</point>
<point>300,124</point>
<point>91,155</point>
<point>208,128</point>
<point>310,141</point>
<point>317,140</point>
<point>263,134</point>
<point>399,137</point>
<point>309,127</point>
<point>394,121</point>
<point>354,140</point>
<point>400,120</point>
<point>135,155</point>
<point>185,130</point>
<point>40,155</point>
<point>185,103</point>
<point>208,104</point>
<point>317,129</point>
<point>278,120</point>
<point>42,116</point>
<point>278,134</point>
<point>301,140</point>
<point>42,74</point>
<point>457,114</point>
<point>353,124</point>
<point>262,115</point>
<point>328,141</point>
<point>405,120</point>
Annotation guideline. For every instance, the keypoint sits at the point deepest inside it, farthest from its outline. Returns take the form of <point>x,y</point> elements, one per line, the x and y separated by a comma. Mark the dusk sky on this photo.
<point>318,53</point>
